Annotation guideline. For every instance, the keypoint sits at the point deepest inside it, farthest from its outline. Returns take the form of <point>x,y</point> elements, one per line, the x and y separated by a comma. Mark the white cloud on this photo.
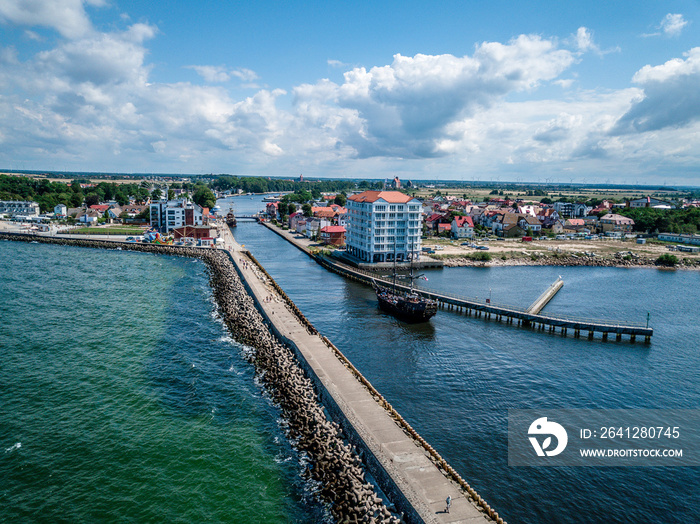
<point>212,74</point>
<point>403,109</point>
<point>671,97</point>
<point>68,17</point>
<point>673,24</point>
<point>584,40</point>
<point>216,74</point>
<point>89,100</point>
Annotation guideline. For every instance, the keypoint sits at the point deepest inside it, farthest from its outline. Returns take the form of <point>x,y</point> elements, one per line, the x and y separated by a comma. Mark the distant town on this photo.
<point>373,221</point>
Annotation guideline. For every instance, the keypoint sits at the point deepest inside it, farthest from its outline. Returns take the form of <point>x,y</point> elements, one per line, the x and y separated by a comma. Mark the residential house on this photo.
<point>462,227</point>
<point>444,228</point>
<point>530,223</point>
<point>334,235</point>
<point>60,210</point>
<point>649,202</point>
<point>616,223</point>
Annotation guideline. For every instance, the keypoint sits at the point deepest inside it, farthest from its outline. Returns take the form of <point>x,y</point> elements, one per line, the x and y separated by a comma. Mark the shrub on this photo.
<point>480,257</point>
<point>667,259</point>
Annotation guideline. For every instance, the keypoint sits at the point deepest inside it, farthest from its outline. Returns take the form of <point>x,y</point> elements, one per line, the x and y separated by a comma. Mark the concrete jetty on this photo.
<point>539,304</point>
<point>407,468</point>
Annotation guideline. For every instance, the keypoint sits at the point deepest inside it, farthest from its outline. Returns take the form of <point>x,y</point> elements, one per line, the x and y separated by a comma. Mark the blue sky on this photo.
<point>585,91</point>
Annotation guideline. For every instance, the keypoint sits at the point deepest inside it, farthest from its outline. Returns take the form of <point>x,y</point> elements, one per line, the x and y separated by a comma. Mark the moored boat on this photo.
<point>410,306</point>
<point>230,219</point>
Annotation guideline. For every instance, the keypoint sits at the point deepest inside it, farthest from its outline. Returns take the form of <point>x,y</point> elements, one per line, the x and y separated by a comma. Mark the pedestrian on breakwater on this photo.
<point>448,503</point>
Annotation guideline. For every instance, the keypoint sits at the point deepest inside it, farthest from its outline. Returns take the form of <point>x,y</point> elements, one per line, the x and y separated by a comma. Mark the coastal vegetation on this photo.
<point>667,259</point>
<point>266,185</point>
<point>686,220</point>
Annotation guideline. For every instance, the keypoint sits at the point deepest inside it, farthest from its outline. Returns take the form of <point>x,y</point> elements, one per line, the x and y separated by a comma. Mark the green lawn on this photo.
<point>121,230</point>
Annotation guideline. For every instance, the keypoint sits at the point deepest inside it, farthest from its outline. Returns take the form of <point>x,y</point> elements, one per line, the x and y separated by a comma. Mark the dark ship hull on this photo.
<point>411,307</point>
<point>230,220</point>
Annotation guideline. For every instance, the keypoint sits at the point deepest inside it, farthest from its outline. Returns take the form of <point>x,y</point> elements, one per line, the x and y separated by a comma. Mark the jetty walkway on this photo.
<point>414,476</point>
<point>526,317</point>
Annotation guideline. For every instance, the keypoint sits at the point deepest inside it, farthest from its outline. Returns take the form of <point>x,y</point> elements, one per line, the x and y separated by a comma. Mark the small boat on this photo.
<point>230,219</point>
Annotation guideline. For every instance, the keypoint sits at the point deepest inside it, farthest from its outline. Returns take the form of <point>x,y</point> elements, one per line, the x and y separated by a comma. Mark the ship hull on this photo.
<point>404,309</point>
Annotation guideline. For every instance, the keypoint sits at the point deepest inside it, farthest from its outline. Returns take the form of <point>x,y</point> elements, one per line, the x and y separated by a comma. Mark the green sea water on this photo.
<point>122,398</point>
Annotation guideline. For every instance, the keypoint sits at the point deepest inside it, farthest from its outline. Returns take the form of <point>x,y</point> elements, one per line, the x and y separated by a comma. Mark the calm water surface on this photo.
<point>123,399</point>
<point>455,378</point>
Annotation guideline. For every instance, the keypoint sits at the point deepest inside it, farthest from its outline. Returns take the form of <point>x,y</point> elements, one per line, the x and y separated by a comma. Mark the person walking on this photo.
<point>448,503</point>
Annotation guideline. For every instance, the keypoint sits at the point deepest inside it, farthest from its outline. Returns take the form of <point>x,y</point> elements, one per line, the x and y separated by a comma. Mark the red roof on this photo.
<point>100,207</point>
<point>460,221</point>
<point>333,229</point>
<point>393,197</point>
<point>434,217</point>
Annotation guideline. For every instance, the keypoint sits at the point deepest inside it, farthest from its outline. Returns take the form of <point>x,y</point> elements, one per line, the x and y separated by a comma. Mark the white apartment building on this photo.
<point>19,208</point>
<point>169,214</point>
<point>381,223</point>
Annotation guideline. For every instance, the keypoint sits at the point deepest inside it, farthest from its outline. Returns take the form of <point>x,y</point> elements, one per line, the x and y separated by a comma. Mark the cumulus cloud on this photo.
<point>404,109</point>
<point>68,17</point>
<point>671,97</point>
<point>89,99</point>
<point>673,24</point>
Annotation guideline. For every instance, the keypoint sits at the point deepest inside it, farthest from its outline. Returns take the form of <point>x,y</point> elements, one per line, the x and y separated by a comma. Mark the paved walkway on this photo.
<point>421,482</point>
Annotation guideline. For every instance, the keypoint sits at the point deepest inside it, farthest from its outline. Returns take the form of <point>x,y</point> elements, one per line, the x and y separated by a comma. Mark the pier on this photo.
<point>539,304</point>
<point>412,473</point>
<point>513,315</point>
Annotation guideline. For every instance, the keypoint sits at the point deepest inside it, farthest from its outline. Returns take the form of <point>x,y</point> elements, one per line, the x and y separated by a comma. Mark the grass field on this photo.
<point>121,230</point>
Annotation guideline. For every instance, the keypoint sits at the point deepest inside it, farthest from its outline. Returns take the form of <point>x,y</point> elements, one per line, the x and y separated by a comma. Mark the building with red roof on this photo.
<point>381,223</point>
<point>334,235</point>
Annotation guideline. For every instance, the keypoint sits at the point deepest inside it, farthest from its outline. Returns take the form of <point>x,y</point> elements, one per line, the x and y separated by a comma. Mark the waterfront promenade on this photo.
<point>402,465</point>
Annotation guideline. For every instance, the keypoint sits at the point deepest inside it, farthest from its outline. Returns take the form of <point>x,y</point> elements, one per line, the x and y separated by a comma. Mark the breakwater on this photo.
<point>332,462</point>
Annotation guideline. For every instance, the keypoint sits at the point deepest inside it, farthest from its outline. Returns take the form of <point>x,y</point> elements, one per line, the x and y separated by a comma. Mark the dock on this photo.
<point>413,474</point>
<point>539,304</point>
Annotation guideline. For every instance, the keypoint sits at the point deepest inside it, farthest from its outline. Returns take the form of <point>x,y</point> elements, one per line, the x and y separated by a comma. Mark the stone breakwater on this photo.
<point>332,463</point>
<point>563,261</point>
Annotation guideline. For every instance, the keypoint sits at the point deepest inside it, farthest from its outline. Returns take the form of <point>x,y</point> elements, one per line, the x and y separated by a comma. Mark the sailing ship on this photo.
<point>408,306</point>
<point>230,219</point>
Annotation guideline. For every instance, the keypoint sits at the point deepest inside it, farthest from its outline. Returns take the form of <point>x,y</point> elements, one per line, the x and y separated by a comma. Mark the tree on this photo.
<point>156,194</point>
<point>204,197</point>
<point>171,194</point>
<point>306,208</point>
<point>92,199</point>
<point>283,208</point>
<point>291,208</point>
<point>340,199</point>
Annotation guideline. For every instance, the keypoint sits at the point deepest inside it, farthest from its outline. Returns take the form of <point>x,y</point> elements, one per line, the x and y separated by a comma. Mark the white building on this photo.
<point>19,207</point>
<point>60,210</point>
<point>381,223</point>
<point>169,214</point>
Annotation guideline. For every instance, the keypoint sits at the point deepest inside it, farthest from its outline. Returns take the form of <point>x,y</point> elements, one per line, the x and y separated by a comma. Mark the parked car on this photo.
<point>483,248</point>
